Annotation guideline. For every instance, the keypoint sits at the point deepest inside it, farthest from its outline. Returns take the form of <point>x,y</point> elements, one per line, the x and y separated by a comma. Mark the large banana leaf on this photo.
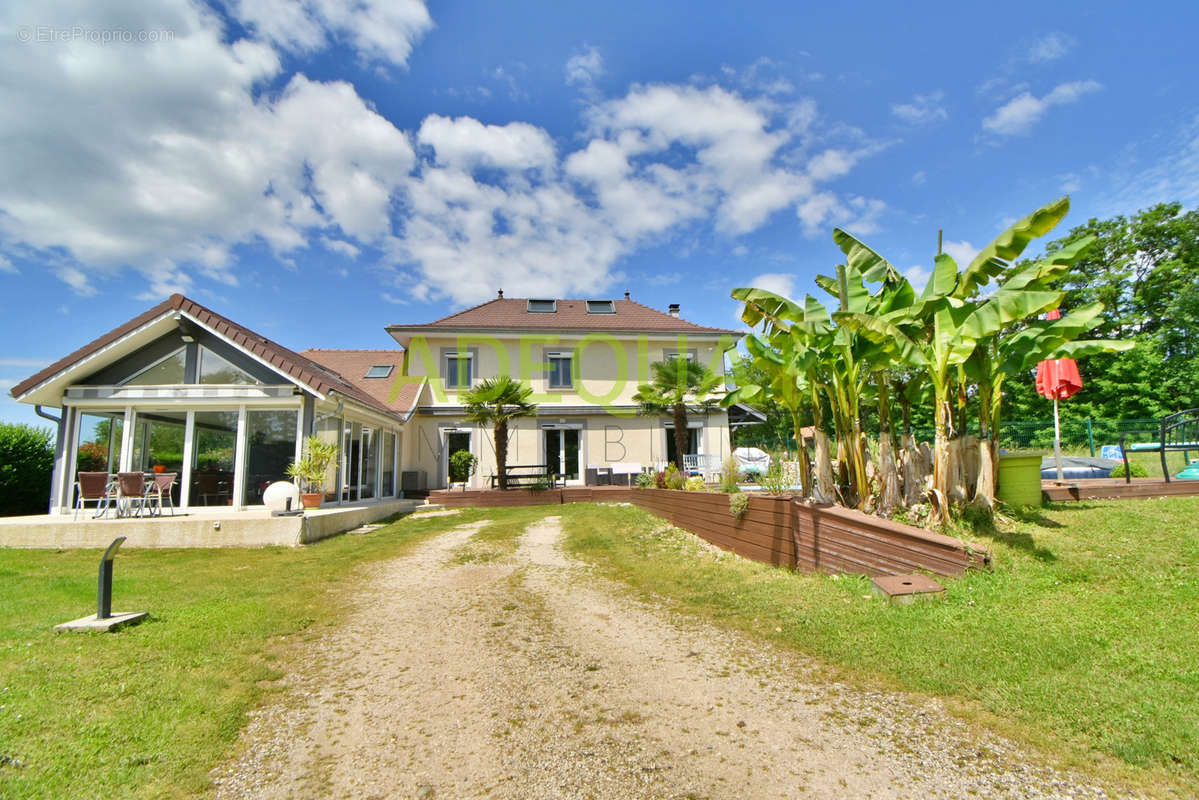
<point>1005,307</point>
<point>884,334</point>
<point>944,278</point>
<point>763,305</point>
<point>868,263</point>
<point>1007,247</point>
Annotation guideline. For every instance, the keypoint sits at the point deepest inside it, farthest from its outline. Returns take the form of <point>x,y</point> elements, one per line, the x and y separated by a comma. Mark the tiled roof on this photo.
<point>319,377</point>
<point>511,313</point>
<point>352,365</point>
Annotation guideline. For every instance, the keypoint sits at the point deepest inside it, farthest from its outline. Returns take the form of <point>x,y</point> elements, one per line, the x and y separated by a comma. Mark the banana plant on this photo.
<point>794,349</point>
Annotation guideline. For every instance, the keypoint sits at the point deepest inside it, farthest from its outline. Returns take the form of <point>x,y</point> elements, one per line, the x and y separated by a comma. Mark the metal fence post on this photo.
<point>1091,437</point>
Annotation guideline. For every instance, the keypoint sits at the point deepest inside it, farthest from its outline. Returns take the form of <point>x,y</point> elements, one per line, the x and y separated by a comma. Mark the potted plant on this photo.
<point>311,469</point>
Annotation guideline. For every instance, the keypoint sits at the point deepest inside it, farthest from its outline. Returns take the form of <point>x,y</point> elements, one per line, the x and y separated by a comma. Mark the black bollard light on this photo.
<point>104,589</point>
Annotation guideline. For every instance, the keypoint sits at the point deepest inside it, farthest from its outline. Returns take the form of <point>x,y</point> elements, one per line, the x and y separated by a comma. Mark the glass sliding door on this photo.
<point>98,445</point>
<point>329,430</point>
<point>388,466</point>
<point>158,445</point>
<point>351,453</point>
<point>562,452</point>
<point>370,462</point>
<point>213,458</point>
<point>270,448</point>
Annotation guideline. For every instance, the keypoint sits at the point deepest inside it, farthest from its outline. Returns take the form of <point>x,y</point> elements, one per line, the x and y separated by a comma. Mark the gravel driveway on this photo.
<point>529,677</point>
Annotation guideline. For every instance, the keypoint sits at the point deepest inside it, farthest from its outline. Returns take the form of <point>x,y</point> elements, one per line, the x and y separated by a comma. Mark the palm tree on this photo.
<point>496,402</point>
<point>678,385</point>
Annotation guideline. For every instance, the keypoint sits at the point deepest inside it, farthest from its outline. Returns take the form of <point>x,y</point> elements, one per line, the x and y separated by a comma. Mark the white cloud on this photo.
<point>1050,48</point>
<point>919,178</point>
<point>379,30</point>
<point>29,363</point>
<point>924,109</point>
<point>962,252</point>
<point>466,143</point>
<point>340,246</point>
<point>584,67</point>
<point>664,279</point>
<point>7,266</point>
<point>202,145</point>
<point>780,283</point>
<point>917,276</point>
<point>823,211</point>
<point>1019,114</point>
<point>184,158</point>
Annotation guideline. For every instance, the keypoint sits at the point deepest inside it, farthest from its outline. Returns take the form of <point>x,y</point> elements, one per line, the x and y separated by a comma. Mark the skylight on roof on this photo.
<point>543,306</point>
<point>379,371</point>
<point>601,307</point>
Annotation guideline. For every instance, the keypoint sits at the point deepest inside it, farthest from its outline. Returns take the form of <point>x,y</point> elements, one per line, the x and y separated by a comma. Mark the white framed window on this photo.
<point>459,370</point>
<point>601,307</point>
<point>379,371</point>
<point>560,369</point>
<point>542,306</point>
<point>690,355</point>
<point>216,369</point>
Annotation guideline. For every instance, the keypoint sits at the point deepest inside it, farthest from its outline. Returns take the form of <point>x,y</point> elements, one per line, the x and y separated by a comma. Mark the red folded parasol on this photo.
<point>1057,379</point>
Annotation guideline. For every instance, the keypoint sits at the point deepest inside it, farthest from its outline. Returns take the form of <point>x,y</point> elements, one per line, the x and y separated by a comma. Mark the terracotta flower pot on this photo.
<point>311,499</point>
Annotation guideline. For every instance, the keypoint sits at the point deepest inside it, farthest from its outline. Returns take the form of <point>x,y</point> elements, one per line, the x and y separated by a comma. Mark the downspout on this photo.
<point>38,410</point>
<point>341,404</point>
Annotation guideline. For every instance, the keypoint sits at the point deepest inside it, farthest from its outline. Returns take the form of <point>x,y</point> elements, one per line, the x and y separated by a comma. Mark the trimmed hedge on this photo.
<point>26,466</point>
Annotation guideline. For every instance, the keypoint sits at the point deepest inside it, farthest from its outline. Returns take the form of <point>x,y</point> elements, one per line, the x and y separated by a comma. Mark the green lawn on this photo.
<point>147,711</point>
<point>1083,641</point>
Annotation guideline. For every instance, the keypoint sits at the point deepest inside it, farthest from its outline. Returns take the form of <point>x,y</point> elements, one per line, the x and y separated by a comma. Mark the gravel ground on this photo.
<point>529,677</point>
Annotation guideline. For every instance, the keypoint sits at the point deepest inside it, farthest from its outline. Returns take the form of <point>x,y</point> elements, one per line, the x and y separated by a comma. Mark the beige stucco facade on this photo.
<point>596,413</point>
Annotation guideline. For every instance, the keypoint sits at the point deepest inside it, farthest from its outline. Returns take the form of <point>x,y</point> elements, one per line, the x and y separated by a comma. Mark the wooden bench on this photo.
<point>526,480</point>
<point>1177,432</point>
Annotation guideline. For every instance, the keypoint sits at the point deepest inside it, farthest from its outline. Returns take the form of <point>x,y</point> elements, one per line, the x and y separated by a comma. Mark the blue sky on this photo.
<point>316,170</point>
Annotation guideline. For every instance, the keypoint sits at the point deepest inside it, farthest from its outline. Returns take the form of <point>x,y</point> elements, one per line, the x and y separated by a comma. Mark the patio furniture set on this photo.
<point>127,494</point>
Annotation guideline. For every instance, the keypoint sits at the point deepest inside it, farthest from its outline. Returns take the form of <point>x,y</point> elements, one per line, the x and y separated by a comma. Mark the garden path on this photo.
<point>530,677</point>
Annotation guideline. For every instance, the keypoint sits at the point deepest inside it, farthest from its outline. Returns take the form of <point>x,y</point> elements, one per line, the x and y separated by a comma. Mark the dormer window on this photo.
<point>379,371</point>
<point>601,307</point>
<point>542,306</point>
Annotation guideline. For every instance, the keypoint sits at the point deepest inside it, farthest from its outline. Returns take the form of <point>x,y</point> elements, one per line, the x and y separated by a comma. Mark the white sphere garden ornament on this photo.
<point>276,495</point>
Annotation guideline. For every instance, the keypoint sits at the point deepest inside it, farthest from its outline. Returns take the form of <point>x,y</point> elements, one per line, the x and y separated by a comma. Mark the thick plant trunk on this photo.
<point>680,434</point>
<point>984,495</point>
<point>825,487</point>
<point>888,474</point>
<point>913,472</point>
<point>805,466</point>
<point>970,465</point>
<point>501,453</point>
<point>957,470</point>
<point>941,464</point>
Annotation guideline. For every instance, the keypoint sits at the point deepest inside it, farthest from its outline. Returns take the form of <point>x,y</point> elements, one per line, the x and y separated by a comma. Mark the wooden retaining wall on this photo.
<point>774,530</point>
<point>1115,488</point>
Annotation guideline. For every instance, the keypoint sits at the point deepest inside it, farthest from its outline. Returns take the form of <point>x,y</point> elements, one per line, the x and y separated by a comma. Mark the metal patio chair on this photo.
<point>159,490</point>
<point>93,487</point>
<point>131,491</point>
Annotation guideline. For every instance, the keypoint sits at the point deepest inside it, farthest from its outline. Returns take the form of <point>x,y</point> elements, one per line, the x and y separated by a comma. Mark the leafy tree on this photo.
<point>678,386</point>
<point>496,402</point>
<point>1145,269</point>
<point>26,465</point>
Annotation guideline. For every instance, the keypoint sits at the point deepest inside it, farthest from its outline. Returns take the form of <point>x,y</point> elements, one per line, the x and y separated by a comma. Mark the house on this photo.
<point>183,389</point>
<point>584,360</point>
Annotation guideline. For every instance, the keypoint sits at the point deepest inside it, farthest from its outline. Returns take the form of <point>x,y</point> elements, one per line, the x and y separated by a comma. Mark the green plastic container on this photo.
<point>1020,480</point>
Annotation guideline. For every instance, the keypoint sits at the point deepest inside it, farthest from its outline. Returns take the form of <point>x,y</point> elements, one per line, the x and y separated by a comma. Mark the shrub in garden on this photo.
<point>462,466</point>
<point>695,484</point>
<point>729,473</point>
<point>26,465</point>
<point>738,503</point>
<point>774,479</point>
<point>1137,470</point>
<point>646,480</point>
<point>673,478</point>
